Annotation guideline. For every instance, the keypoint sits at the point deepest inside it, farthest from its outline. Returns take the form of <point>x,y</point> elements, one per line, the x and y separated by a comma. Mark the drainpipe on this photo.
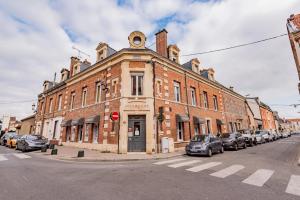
<point>187,101</point>
<point>156,121</point>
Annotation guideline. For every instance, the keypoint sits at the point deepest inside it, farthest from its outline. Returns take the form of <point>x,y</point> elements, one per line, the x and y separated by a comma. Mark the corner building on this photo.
<point>156,96</point>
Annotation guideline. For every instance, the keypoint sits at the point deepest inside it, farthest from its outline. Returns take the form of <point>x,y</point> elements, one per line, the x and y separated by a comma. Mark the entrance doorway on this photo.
<point>136,133</point>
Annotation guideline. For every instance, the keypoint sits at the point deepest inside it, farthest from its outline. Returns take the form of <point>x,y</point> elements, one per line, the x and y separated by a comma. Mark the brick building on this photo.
<point>156,97</point>
<point>293,28</point>
<point>267,117</point>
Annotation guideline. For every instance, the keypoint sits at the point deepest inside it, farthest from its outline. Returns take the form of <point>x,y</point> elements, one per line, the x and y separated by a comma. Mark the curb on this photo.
<point>83,160</point>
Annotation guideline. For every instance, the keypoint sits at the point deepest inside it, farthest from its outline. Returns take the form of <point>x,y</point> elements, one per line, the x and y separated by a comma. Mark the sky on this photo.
<point>37,36</point>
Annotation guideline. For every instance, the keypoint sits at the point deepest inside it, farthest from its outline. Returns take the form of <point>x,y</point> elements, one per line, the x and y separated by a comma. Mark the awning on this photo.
<point>65,123</point>
<point>93,120</point>
<point>78,122</point>
<point>182,118</point>
<point>198,120</point>
<point>220,122</point>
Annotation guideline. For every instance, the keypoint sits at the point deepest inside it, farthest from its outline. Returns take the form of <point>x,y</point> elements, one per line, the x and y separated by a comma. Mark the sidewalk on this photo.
<point>70,154</point>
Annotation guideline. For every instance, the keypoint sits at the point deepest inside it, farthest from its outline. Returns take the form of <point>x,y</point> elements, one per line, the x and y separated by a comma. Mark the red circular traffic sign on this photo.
<point>114,116</point>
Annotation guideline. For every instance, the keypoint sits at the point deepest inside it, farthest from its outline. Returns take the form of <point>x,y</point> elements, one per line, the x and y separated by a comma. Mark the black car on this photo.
<point>233,141</point>
<point>204,145</point>
<point>5,137</point>
<point>31,142</point>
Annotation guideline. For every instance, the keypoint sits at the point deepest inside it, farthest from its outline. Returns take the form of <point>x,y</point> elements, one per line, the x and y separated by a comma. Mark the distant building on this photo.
<point>8,123</point>
<point>28,125</point>
<point>294,124</point>
<point>293,28</point>
<point>254,103</point>
<point>267,117</point>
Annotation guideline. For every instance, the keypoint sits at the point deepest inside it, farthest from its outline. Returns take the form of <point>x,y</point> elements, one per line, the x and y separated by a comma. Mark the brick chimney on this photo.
<point>162,43</point>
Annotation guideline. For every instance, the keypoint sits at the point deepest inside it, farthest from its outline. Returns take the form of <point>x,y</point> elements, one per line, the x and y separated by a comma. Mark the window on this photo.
<point>208,126</point>
<point>215,102</point>
<point>177,91</point>
<point>42,107</point>
<point>205,99</point>
<point>50,105</point>
<point>95,133</point>
<point>59,102</point>
<point>87,131</point>
<point>159,87</point>
<point>114,89</point>
<point>98,92</point>
<point>72,102</point>
<point>179,131</point>
<point>83,98</point>
<point>193,96</point>
<point>137,84</point>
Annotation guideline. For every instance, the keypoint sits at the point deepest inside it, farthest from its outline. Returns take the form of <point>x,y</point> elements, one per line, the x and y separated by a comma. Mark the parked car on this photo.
<point>265,136</point>
<point>289,134</point>
<point>284,135</point>
<point>12,141</point>
<point>259,137</point>
<point>204,145</point>
<point>5,137</point>
<point>31,142</point>
<point>233,141</point>
<point>249,137</point>
<point>280,135</point>
<point>271,137</point>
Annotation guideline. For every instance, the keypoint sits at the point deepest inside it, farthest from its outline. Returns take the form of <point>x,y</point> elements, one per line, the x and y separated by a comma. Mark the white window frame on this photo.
<point>215,99</point>
<point>72,104</point>
<point>83,97</point>
<point>136,77</point>
<point>98,92</point>
<point>177,96</point>
<point>205,99</point>
<point>51,105</point>
<point>193,96</point>
<point>59,102</point>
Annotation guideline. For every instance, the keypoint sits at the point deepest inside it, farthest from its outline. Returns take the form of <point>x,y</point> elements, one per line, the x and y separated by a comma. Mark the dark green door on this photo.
<point>136,133</point>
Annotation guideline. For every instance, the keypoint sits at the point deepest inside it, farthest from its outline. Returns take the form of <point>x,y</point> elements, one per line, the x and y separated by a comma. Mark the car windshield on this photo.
<point>228,135</point>
<point>35,137</point>
<point>200,138</point>
<point>258,132</point>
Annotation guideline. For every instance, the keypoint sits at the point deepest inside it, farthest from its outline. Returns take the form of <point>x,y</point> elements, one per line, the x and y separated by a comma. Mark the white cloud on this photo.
<point>35,41</point>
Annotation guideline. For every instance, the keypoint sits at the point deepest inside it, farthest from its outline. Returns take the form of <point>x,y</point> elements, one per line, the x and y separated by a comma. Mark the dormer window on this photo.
<point>173,53</point>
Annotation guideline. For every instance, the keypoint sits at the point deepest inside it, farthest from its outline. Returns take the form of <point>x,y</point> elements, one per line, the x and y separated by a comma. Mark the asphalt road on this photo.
<point>267,171</point>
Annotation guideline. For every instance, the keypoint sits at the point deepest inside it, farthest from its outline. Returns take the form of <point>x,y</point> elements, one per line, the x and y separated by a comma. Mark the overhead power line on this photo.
<point>236,46</point>
<point>16,102</point>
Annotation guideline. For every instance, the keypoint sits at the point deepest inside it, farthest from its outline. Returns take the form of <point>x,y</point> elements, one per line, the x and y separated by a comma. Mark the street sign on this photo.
<point>114,116</point>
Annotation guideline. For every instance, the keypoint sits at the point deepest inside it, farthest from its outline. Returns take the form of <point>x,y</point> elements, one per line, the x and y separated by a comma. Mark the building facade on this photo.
<point>267,117</point>
<point>254,105</point>
<point>156,97</point>
<point>293,28</point>
<point>27,125</point>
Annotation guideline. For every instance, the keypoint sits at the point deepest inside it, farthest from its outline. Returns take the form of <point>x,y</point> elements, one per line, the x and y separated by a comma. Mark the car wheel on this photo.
<point>222,150</point>
<point>209,153</point>
<point>24,149</point>
<point>251,143</point>
<point>236,147</point>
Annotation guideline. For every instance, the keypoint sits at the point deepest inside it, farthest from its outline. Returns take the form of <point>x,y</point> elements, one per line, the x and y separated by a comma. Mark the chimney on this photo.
<point>162,43</point>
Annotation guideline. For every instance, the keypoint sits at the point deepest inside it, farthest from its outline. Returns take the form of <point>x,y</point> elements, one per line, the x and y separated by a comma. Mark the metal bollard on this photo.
<point>80,154</point>
<point>54,152</point>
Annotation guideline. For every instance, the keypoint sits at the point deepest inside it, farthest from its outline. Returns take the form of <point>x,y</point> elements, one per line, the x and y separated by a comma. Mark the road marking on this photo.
<point>259,177</point>
<point>203,167</point>
<point>184,163</point>
<point>21,156</point>
<point>169,161</point>
<point>294,185</point>
<point>228,171</point>
<point>2,158</point>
